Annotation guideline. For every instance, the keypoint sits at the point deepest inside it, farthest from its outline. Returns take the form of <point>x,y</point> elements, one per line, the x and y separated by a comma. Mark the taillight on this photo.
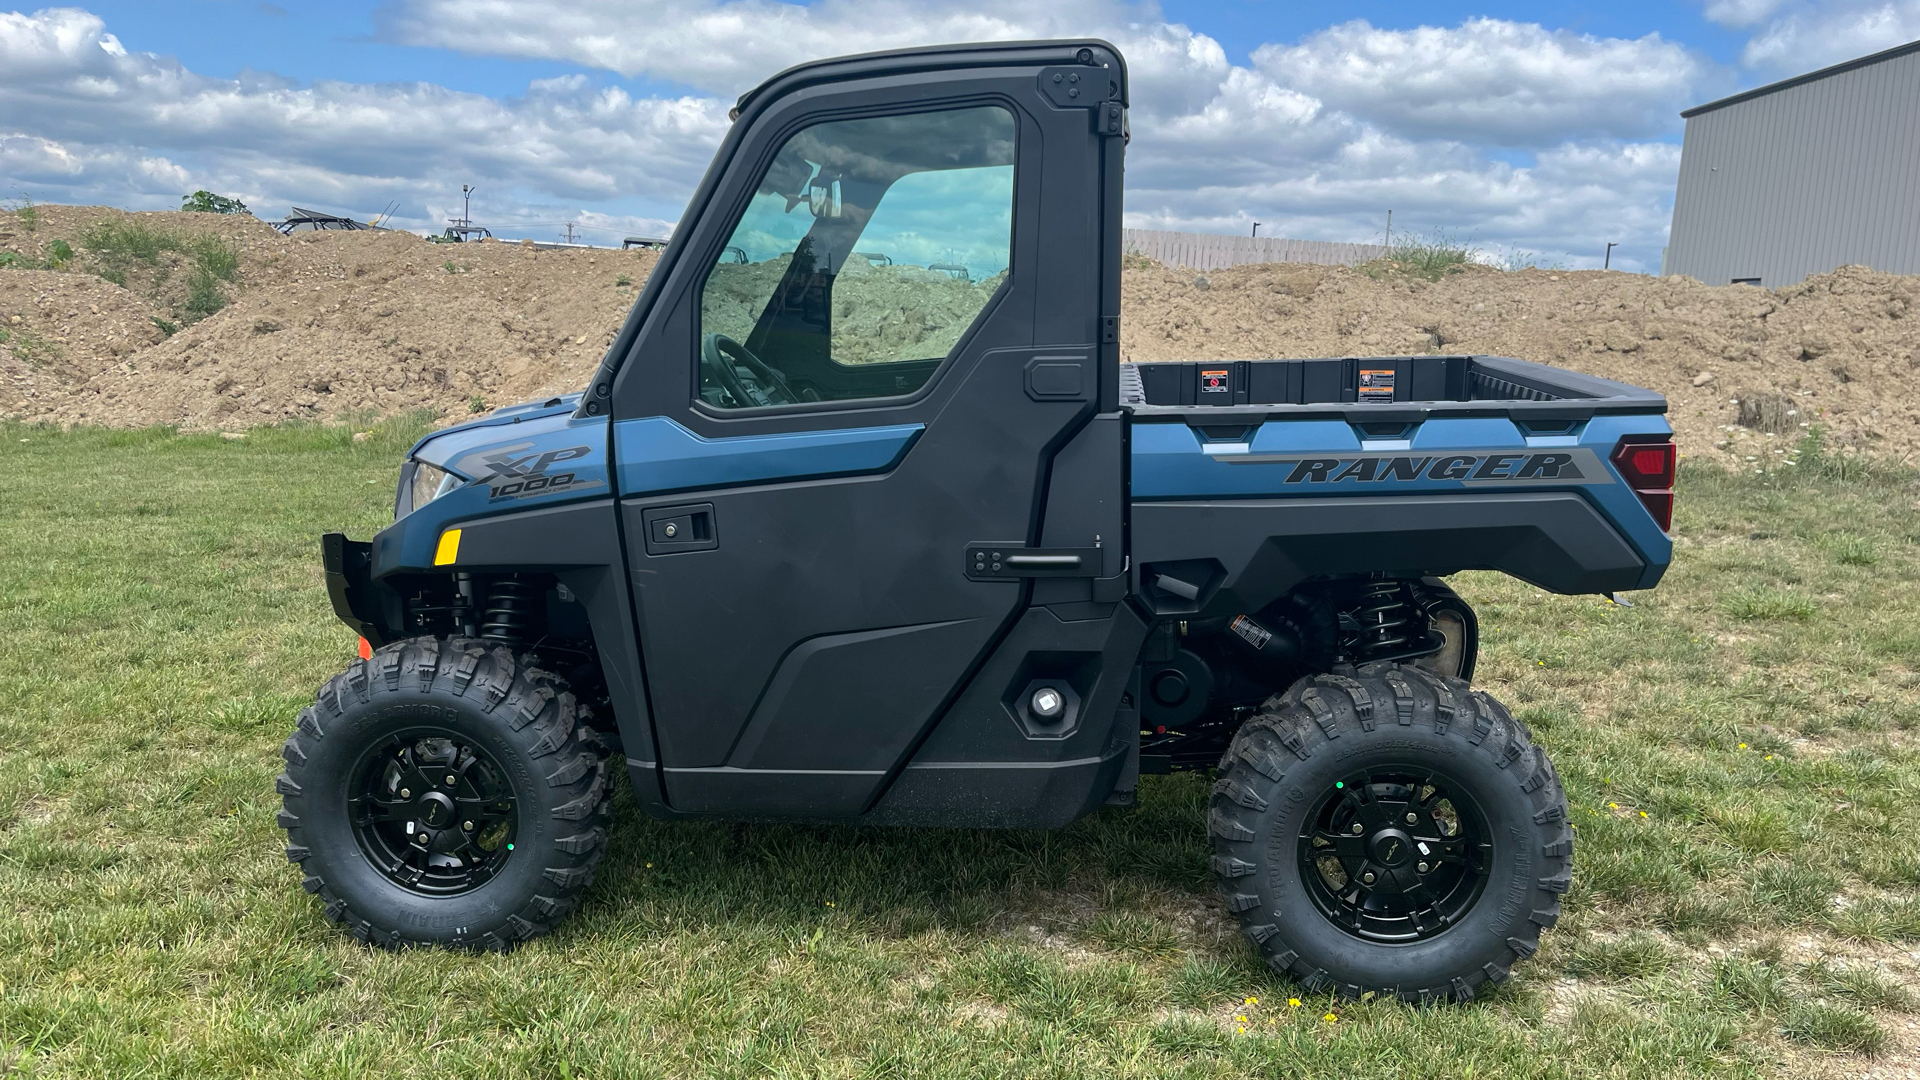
<point>1646,463</point>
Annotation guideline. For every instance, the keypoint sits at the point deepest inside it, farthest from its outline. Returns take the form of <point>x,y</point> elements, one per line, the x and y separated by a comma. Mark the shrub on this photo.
<point>206,202</point>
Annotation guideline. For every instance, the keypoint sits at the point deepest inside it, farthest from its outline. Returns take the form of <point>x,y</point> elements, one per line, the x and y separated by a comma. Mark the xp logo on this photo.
<point>516,475</point>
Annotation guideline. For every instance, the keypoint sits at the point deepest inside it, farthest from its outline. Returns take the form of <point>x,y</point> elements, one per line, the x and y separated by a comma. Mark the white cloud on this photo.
<point>1798,36</point>
<point>1316,140</point>
<point>725,46</point>
<point>1493,81</point>
<point>333,144</point>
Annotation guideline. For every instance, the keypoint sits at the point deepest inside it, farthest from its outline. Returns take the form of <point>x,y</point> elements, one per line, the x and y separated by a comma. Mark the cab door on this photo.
<point>834,431</point>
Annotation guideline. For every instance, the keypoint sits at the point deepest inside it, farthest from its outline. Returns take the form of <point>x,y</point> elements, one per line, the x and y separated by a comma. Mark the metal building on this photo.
<point>1803,176</point>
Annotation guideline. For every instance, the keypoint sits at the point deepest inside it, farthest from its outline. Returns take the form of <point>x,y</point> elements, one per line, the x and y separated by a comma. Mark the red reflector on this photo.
<point>1660,505</point>
<point>366,650</point>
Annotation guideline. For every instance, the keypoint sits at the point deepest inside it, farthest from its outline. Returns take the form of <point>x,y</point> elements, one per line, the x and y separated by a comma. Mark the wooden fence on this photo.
<point>1207,251</point>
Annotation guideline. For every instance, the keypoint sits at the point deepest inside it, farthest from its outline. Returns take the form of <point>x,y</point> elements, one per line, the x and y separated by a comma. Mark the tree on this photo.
<point>206,202</point>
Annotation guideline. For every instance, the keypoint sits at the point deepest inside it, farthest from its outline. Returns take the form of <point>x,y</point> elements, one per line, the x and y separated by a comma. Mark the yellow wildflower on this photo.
<point>1252,1001</point>
<point>1743,746</point>
<point>1239,1019</point>
<point>1643,813</point>
<point>1329,1018</point>
<point>1293,1002</point>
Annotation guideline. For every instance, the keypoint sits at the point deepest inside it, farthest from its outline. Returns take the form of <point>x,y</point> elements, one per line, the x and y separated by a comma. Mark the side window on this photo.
<point>870,246</point>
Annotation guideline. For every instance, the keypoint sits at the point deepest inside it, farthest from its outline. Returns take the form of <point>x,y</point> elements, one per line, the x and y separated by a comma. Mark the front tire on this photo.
<point>1390,831</point>
<point>445,792</point>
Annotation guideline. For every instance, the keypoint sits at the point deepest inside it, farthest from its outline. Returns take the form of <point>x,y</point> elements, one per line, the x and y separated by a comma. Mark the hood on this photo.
<point>526,420</point>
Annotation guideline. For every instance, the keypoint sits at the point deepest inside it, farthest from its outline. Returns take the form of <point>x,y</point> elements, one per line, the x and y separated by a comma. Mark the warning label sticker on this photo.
<point>1255,634</point>
<point>1216,381</point>
<point>1376,384</point>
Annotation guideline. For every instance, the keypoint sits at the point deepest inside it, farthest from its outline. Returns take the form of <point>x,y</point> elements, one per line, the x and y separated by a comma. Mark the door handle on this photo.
<point>1008,562</point>
<point>1045,562</point>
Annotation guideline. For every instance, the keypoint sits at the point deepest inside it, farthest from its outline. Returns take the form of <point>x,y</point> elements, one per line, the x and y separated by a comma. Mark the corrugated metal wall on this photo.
<point>1803,179</point>
<point>1206,251</point>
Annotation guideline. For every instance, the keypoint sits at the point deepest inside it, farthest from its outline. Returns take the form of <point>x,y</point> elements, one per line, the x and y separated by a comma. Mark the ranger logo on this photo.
<point>1576,465</point>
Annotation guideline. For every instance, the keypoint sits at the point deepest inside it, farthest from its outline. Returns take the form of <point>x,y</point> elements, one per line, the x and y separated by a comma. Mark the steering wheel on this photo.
<point>715,350</point>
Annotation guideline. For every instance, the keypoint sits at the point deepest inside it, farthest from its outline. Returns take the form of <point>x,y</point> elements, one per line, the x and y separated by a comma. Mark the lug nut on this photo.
<point>1423,868</point>
<point>1358,828</point>
<point>1413,818</point>
<point>468,825</point>
<point>1367,877</point>
<point>405,794</point>
<point>451,779</point>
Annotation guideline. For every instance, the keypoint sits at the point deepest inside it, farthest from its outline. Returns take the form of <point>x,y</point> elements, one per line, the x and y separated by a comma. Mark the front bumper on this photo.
<point>358,600</point>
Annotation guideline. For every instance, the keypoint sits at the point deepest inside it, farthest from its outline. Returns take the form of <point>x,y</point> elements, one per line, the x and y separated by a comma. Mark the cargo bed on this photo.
<point>1362,387</point>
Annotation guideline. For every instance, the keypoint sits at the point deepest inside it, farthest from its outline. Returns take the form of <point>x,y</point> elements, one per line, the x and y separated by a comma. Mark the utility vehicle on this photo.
<point>836,534</point>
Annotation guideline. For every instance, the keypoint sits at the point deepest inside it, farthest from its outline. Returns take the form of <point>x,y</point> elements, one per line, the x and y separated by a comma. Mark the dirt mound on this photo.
<point>326,325</point>
<point>59,330</point>
<point>1839,349</point>
<point>334,324</point>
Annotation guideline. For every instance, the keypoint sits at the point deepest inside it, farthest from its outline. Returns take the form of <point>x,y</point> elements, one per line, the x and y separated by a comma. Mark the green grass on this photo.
<point>1745,900</point>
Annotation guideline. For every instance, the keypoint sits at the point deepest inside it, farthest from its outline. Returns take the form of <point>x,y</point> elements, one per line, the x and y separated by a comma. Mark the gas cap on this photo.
<point>1047,703</point>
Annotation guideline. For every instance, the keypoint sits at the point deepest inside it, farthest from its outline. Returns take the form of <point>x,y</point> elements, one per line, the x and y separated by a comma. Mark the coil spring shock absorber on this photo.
<point>510,610</point>
<point>1386,619</point>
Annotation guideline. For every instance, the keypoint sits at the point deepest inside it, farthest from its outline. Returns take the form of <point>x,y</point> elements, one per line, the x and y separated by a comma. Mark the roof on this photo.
<point>1799,80</point>
<point>934,57</point>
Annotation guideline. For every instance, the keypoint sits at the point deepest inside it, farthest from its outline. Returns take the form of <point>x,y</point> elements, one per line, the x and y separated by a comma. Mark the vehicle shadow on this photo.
<point>902,881</point>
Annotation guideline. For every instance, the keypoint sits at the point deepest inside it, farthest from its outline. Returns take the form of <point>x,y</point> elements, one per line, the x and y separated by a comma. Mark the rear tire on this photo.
<point>510,819</point>
<point>1361,776</point>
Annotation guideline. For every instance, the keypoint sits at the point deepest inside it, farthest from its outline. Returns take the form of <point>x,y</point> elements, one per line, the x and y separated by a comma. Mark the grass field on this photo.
<point>1739,748</point>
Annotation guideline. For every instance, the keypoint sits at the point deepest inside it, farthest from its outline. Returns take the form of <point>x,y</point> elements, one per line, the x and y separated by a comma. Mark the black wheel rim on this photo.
<point>1395,854</point>
<point>434,813</point>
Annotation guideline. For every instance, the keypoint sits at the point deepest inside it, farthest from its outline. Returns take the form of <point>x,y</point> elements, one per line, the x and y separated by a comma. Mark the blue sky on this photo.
<point>1531,129</point>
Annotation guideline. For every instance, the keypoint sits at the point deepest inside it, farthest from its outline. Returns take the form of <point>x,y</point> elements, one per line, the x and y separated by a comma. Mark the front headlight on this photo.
<point>430,482</point>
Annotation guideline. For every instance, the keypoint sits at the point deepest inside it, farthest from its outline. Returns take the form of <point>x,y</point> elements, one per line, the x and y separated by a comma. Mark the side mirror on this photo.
<point>824,200</point>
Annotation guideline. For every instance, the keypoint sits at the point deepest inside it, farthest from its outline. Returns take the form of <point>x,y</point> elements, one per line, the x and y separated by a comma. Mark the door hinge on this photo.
<point>1110,120</point>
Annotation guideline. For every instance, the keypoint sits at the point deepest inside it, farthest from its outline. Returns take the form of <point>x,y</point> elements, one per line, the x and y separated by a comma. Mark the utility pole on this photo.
<point>1389,243</point>
<point>569,232</point>
<point>1256,229</point>
<point>1607,261</point>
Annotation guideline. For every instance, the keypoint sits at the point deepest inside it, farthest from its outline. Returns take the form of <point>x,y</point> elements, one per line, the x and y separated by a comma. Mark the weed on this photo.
<point>9,259</point>
<point>1428,258</point>
<point>623,281</point>
<point>1634,956</point>
<point>1795,891</point>
<point>27,214</point>
<point>31,348</point>
<point>167,326</point>
<point>476,404</point>
<point>1834,1027</point>
<point>216,256</point>
<point>120,242</point>
<point>449,267</point>
<point>1767,602</point>
<point>1868,987</point>
<point>1757,985</point>
<point>59,254</point>
<point>1852,550</point>
<point>203,294</point>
